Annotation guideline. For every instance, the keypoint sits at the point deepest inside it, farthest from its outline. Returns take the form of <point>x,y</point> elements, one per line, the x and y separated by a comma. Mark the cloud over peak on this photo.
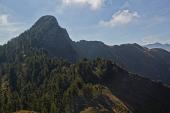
<point>121,17</point>
<point>8,29</point>
<point>94,4</point>
<point>3,19</point>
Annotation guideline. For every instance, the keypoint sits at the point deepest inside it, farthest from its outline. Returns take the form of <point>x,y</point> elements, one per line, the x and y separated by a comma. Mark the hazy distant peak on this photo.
<point>159,45</point>
<point>133,45</point>
<point>92,42</point>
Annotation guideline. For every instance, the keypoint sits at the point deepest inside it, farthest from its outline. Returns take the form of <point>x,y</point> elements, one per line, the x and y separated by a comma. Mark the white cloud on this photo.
<point>150,39</point>
<point>155,38</point>
<point>8,29</point>
<point>3,20</point>
<point>122,17</point>
<point>94,4</point>
<point>7,25</point>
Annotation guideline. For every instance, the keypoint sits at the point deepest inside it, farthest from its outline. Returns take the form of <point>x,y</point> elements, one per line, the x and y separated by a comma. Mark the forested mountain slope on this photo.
<point>41,70</point>
<point>47,85</point>
<point>47,36</point>
<point>150,63</point>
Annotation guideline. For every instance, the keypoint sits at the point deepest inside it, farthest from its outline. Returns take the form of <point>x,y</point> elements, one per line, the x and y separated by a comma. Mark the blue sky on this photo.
<point>110,21</point>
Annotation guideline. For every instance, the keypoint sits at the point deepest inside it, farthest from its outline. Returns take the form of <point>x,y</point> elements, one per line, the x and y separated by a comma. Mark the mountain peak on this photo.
<point>46,21</point>
<point>48,18</point>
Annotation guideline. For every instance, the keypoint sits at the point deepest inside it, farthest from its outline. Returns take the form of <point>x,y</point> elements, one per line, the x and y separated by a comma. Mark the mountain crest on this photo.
<point>47,21</point>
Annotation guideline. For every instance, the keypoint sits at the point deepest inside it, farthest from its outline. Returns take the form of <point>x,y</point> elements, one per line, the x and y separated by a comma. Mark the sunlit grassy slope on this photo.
<point>25,111</point>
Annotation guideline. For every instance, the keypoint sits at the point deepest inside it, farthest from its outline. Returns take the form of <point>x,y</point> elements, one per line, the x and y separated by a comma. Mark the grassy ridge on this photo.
<point>25,111</point>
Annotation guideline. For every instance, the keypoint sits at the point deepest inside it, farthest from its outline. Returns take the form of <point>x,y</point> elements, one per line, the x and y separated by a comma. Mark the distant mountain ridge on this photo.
<point>159,45</point>
<point>44,84</point>
<point>150,63</point>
